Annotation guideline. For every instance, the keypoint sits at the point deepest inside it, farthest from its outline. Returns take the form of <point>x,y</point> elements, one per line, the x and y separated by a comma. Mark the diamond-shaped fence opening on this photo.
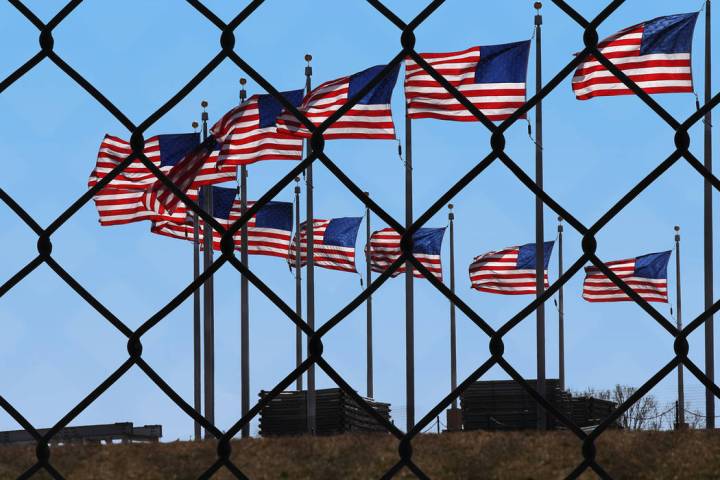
<point>495,153</point>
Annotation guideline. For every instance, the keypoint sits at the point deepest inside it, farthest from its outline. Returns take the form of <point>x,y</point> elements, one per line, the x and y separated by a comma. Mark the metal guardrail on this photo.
<point>496,153</point>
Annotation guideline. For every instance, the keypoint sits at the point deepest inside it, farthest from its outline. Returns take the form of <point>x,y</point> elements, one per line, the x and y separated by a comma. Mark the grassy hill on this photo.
<point>471,455</point>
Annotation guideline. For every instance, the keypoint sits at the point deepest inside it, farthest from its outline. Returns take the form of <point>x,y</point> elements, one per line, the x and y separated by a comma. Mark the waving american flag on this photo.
<point>646,275</point>
<point>371,118</point>
<point>384,249</point>
<point>492,77</point>
<point>654,54</point>
<point>164,151</point>
<point>248,133</point>
<point>510,271</point>
<point>333,243</point>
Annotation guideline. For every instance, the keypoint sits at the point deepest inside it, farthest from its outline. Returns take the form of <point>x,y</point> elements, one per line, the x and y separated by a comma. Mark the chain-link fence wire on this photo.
<point>316,154</point>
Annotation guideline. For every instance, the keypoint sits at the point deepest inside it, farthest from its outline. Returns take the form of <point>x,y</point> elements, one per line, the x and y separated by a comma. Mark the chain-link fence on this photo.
<point>316,154</point>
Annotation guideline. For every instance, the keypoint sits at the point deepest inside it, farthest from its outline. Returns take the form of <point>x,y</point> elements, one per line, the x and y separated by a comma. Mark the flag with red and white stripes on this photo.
<point>645,275</point>
<point>269,231</point>
<point>164,151</point>
<point>119,206</point>
<point>492,77</point>
<point>510,271</point>
<point>654,54</point>
<point>160,198</point>
<point>384,249</point>
<point>370,118</point>
<point>333,243</point>
<point>248,133</point>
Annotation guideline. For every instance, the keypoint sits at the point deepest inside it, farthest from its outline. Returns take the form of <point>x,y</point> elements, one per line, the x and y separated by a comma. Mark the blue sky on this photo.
<point>56,348</point>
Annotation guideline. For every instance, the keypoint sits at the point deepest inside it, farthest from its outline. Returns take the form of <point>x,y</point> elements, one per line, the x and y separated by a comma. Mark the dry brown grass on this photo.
<point>472,455</point>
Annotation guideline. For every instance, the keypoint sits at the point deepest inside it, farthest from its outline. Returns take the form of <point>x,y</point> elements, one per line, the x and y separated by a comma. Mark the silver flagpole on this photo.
<point>209,320</point>
<point>453,345</point>
<point>368,306</point>
<point>298,286</point>
<point>678,295</point>
<point>244,295</point>
<point>409,292</point>
<point>561,310</point>
<point>197,349</point>
<point>454,416</point>
<point>310,234</point>
<point>708,230</point>
<point>539,228</point>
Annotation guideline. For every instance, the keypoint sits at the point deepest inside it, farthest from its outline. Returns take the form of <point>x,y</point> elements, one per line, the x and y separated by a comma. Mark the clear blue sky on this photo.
<point>56,349</point>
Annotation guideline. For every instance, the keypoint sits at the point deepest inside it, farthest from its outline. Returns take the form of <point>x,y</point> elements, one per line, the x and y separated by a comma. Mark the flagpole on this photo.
<point>409,293</point>
<point>539,230</point>
<point>708,230</point>
<point>197,349</point>
<point>244,296</point>
<point>453,345</point>
<point>298,286</point>
<point>209,320</point>
<point>310,234</point>
<point>678,296</point>
<point>561,310</point>
<point>368,306</point>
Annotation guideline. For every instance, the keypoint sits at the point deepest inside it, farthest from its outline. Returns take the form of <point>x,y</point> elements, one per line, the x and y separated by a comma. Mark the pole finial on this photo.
<point>559,219</point>
<point>308,58</point>
<point>297,179</point>
<point>195,125</point>
<point>537,5</point>
<point>243,81</point>
<point>450,206</point>
<point>204,104</point>
<point>677,228</point>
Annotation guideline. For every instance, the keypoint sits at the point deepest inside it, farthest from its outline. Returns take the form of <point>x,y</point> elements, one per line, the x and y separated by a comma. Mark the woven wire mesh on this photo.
<point>316,154</point>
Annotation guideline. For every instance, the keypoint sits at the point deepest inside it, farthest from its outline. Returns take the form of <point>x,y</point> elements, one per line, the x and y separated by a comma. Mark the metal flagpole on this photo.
<point>298,286</point>
<point>453,346</point>
<point>409,293</point>
<point>368,305</point>
<point>454,416</point>
<point>681,388</point>
<point>561,310</point>
<point>197,349</point>
<point>244,296</point>
<point>708,231</point>
<point>209,320</point>
<point>310,234</point>
<point>539,230</point>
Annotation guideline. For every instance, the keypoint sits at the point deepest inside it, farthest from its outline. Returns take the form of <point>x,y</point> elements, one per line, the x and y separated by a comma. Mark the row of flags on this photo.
<point>655,54</point>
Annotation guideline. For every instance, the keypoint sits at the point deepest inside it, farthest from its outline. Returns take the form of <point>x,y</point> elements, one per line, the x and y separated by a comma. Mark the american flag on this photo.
<point>333,243</point>
<point>385,249</point>
<point>164,151</point>
<point>269,231</point>
<point>160,198</point>
<point>118,206</point>
<point>492,77</point>
<point>646,275</point>
<point>654,54</point>
<point>248,132</point>
<point>370,118</point>
<point>510,271</point>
